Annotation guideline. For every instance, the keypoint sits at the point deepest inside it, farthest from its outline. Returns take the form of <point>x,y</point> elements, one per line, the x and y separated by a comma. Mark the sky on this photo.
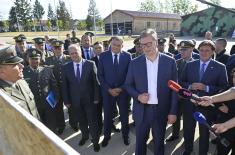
<point>79,7</point>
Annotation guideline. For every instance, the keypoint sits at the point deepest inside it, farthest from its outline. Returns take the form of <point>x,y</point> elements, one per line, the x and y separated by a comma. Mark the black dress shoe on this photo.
<point>82,141</point>
<point>115,129</point>
<point>172,138</point>
<point>126,141</point>
<point>105,142</point>
<point>96,147</point>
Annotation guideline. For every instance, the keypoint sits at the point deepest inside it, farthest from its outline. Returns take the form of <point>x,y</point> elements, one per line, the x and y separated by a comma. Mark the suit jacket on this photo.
<point>87,88</point>
<point>22,96</point>
<point>181,63</point>
<point>215,76</point>
<point>137,83</point>
<point>106,71</point>
<point>83,52</point>
<point>96,60</point>
<point>222,57</point>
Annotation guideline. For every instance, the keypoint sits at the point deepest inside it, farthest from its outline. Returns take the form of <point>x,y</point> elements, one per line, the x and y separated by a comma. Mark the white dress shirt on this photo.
<point>152,73</point>
<point>80,67</point>
<point>118,56</point>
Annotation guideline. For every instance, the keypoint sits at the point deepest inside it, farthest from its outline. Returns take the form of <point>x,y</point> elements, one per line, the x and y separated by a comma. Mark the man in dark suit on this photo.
<point>12,82</point>
<point>56,62</point>
<point>185,50</point>
<point>80,92</point>
<point>204,77</point>
<point>86,48</point>
<point>154,103</point>
<point>220,51</point>
<point>113,66</point>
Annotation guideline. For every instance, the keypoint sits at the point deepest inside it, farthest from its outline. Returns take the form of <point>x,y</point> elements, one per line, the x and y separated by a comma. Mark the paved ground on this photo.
<point>116,146</point>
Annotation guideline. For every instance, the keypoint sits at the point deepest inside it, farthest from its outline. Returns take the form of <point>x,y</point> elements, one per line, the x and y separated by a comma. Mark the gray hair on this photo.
<point>149,32</point>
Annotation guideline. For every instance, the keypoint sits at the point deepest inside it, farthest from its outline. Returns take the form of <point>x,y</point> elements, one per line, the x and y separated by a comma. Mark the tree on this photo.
<point>13,26</point>
<point>183,7</point>
<point>82,25</point>
<point>38,12</point>
<point>148,6</point>
<point>93,15</point>
<point>23,12</point>
<point>63,15</point>
<point>51,16</point>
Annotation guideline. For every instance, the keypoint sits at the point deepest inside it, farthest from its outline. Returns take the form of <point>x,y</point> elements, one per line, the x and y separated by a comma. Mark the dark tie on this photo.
<point>202,70</point>
<point>78,73</point>
<point>87,54</point>
<point>115,64</point>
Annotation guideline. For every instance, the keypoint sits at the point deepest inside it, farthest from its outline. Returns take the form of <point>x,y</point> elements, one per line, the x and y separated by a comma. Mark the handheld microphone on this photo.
<point>182,92</point>
<point>201,119</point>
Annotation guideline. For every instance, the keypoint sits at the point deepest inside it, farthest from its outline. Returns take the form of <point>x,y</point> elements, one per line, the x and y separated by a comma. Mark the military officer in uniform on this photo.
<point>56,62</point>
<point>41,81</point>
<point>20,47</point>
<point>162,46</point>
<point>73,40</point>
<point>11,80</point>
<point>39,43</point>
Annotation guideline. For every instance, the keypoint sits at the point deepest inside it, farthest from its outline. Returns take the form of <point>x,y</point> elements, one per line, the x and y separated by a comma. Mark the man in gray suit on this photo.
<point>80,92</point>
<point>11,80</point>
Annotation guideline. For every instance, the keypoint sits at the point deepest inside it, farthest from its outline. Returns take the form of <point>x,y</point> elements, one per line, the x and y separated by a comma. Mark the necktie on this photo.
<point>202,70</point>
<point>78,73</point>
<point>87,54</point>
<point>115,64</point>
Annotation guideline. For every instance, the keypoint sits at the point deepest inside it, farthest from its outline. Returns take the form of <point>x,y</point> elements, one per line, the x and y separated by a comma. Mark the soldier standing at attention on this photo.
<point>40,45</point>
<point>11,80</point>
<point>56,62</point>
<point>41,81</point>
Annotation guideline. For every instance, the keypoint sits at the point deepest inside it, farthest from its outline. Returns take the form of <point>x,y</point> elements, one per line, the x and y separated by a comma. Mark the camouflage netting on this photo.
<point>219,21</point>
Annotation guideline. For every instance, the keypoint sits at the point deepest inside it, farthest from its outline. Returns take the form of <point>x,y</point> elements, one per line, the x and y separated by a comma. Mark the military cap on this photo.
<point>33,53</point>
<point>186,44</point>
<point>39,40</point>
<point>57,43</point>
<point>75,40</point>
<point>51,40</point>
<point>106,42</point>
<point>19,38</point>
<point>8,56</point>
<point>136,41</point>
<point>89,34</point>
<point>161,40</point>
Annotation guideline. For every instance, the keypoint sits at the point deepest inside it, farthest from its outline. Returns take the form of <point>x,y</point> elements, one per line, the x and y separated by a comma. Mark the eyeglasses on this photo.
<point>149,44</point>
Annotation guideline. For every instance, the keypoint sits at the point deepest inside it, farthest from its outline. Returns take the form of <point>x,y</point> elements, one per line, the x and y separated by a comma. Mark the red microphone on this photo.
<point>182,92</point>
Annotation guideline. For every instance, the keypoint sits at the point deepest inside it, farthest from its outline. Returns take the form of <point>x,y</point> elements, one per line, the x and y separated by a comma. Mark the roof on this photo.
<point>148,14</point>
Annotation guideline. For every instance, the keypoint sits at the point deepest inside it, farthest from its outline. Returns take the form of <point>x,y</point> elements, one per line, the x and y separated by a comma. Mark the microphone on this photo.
<point>201,119</point>
<point>184,93</point>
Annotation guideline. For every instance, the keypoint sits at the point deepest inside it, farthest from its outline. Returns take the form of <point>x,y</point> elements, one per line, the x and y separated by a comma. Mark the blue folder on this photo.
<point>51,99</point>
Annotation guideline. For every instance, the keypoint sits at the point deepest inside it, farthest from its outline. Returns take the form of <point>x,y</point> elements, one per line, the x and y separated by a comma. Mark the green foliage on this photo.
<point>82,25</point>
<point>148,6</point>
<point>38,10</point>
<point>183,7</point>
<point>92,13</point>
<point>51,16</point>
<point>23,13</point>
<point>49,25</point>
<point>12,20</point>
<point>64,16</point>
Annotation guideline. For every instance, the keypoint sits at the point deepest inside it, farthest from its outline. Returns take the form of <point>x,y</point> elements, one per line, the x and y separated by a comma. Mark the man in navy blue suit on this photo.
<point>154,103</point>
<point>204,77</point>
<point>80,93</point>
<point>112,70</point>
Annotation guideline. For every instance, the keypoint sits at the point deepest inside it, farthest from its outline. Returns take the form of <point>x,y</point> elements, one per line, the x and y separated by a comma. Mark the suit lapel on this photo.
<point>143,72</point>
<point>208,70</point>
<point>160,71</point>
<point>84,68</point>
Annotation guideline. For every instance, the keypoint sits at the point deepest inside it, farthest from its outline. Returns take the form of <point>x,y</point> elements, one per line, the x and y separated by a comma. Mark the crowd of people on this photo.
<point>96,83</point>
